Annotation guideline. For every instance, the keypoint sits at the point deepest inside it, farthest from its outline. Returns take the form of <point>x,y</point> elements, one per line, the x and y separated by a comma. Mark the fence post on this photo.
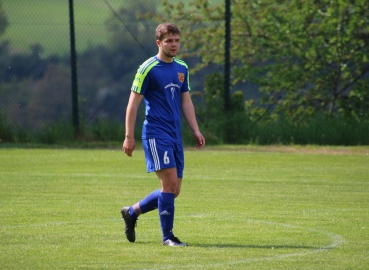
<point>75,114</point>
<point>227,65</point>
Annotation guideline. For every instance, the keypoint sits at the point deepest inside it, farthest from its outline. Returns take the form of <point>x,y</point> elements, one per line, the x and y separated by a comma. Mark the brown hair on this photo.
<point>166,28</point>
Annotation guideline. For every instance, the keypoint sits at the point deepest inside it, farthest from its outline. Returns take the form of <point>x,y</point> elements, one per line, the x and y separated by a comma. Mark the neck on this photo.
<point>164,58</point>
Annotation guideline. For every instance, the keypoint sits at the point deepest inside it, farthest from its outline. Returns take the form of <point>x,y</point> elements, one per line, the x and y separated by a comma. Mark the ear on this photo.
<point>158,42</point>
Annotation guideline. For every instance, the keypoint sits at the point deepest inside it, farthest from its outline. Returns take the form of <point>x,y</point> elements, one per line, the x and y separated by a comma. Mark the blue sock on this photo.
<point>150,202</point>
<point>132,213</point>
<point>166,213</point>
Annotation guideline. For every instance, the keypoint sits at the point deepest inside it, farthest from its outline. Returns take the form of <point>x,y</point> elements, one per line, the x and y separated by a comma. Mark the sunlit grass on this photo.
<point>249,209</point>
<point>47,23</point>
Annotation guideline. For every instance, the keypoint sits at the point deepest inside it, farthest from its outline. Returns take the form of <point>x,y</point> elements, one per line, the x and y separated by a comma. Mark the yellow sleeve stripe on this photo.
<point>142,72</point>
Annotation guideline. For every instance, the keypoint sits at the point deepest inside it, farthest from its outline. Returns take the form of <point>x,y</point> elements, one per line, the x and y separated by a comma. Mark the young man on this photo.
<point>163,82</point>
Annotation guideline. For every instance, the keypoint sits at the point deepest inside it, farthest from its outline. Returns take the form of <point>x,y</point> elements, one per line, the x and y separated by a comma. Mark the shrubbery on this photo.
<point>236,128</point>
<point>241,124</point>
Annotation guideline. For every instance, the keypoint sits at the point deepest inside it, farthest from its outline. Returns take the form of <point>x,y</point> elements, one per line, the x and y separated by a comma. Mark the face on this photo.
<point>169,46</point>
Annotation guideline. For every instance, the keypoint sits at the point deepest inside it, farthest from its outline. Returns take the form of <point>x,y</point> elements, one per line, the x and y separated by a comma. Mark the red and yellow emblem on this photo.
<point>181,77</point>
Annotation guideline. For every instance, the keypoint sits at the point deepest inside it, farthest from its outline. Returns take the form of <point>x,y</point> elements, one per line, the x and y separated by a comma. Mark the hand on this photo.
<point>199,139</point>
<point>129,145</point>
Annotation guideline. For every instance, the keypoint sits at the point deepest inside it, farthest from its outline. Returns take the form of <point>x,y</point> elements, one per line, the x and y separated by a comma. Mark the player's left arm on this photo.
<point>188,111</point>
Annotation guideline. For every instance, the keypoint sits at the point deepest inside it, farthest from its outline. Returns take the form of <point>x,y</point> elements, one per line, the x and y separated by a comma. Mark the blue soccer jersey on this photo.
<point>161,85</point>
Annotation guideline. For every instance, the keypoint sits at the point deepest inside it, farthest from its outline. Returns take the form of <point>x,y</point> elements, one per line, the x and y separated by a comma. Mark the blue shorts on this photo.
<point>163,154</point>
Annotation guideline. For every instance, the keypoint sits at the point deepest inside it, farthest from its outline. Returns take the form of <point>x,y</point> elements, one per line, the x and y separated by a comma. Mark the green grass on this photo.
<point>240,208</point>
<point>47,23</point>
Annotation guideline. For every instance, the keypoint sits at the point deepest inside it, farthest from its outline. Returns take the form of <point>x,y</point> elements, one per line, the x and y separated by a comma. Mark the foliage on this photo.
<point>356,104</point>
<point>10,133</point>
<point>203,26</point>
<point>22,66</point>
<point>107,130</point>
<point>309,59</point>
<point>247,124</point>
<point>318,129</point>
<point>35,86</point>
<point>128,36</point>
<point>54,133</point>
<point>213,95</point>
<point>232,127</point>
<point>306,57</point>
<point>237,128</point>
<point>6,130</point>
<point>127,25</point>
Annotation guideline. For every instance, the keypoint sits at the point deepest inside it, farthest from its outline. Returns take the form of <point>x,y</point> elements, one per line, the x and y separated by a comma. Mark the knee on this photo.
<point>170,188</point>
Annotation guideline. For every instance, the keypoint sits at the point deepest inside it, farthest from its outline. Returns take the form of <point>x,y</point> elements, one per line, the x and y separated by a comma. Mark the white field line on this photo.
<point>336,241</point>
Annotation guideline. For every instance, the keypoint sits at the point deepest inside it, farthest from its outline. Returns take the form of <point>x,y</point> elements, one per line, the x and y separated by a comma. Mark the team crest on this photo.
<point>181,77</point>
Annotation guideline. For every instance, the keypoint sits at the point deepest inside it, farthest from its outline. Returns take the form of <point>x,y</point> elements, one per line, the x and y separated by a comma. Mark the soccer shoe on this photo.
<point>130,224</point>
<point>173,242</point>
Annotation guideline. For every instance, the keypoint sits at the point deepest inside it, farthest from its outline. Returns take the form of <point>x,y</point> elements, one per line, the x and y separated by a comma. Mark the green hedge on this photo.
<point>234,129</point>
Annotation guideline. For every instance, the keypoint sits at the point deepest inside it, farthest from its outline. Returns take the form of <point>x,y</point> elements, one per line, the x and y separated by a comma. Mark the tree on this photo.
<point>50,103</point>
<point>132,37</point>
<point>305,56</point>
<point>21,66</point>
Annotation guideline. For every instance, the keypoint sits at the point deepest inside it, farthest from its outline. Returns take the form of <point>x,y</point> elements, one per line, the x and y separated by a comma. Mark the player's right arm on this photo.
<point>129,143</point>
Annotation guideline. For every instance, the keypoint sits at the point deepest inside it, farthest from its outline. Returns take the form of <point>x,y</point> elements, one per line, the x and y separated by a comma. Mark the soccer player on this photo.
<point>163,82</point>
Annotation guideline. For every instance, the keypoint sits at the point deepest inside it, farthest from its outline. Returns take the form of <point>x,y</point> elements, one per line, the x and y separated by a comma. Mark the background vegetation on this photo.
<point>299,69</point>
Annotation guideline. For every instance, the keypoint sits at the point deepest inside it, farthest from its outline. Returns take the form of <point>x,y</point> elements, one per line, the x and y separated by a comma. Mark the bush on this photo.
<point>319,130</point>
<point>236,128</point>
<point>53,133</point>
<point>107,130</point>
<point>7,133</point>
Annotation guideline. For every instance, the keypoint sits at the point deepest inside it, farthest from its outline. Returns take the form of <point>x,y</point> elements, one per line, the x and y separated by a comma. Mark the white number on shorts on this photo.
<point>166,158</point>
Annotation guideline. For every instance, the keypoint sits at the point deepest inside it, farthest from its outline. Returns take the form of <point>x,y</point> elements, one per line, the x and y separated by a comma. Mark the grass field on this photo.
<point>46,22</point>
<point>240,208</point>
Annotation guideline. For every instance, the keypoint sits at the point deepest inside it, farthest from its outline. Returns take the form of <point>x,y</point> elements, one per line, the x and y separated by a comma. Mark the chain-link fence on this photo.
<point>35,63</point>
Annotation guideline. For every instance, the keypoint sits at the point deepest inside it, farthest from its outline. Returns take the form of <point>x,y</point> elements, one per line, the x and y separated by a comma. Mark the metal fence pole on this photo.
<point>227,66</point>
<point>75,114</point>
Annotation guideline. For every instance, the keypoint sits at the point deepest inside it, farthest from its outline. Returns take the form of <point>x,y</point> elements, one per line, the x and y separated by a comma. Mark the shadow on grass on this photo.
<point>243,246</point>
<point>254,246</point>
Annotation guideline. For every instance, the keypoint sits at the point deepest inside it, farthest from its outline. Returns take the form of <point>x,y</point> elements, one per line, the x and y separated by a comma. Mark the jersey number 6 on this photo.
<point>166,158</point>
